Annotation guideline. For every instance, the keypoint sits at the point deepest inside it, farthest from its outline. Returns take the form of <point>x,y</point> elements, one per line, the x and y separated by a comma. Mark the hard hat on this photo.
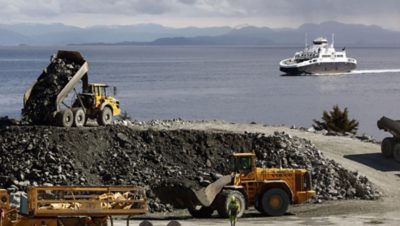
<point>233,198</point>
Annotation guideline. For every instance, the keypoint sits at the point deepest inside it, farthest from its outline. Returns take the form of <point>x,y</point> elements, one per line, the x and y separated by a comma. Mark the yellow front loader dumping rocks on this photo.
<point>269,190</point>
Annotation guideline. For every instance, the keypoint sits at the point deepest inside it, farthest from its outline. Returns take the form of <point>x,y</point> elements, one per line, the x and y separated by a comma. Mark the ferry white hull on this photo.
<point>317,67</point>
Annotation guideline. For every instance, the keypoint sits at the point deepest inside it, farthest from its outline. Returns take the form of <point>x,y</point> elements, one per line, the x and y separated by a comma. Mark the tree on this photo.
<point>337,121</point>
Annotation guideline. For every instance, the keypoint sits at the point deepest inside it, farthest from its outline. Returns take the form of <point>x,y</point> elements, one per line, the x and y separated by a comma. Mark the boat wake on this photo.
<point>373,71</point>
<point>378,71</point>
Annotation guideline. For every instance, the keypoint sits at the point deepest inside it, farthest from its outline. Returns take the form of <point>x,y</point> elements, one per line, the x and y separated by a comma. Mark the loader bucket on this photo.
<point>185,197</point>
<point>390,125</point>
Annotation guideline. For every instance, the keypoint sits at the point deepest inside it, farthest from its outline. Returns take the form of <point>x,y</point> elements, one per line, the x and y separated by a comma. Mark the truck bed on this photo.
<point>80,74</point>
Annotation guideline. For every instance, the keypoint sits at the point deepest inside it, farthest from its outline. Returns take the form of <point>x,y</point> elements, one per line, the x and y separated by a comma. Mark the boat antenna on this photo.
<point>333,40</point>
<point>305,39</point>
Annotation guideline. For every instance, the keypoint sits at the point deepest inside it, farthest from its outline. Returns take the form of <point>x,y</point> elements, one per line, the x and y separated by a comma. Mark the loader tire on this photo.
<point>224,198</point>
<point>201,212</point>
<point>79,117</point>
<point>257,205</point>
<point>105,116</point>
<point>396,152</point>
<point>65,118</point>
<point>387,146</point>
<point>275,202</point>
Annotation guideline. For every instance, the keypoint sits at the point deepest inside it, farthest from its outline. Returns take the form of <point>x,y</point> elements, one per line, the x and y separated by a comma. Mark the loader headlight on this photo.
<point>4,199</point>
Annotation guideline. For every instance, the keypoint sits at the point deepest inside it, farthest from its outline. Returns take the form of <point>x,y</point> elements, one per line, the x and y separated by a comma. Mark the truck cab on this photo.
<point>101,96</point>
<point>98,103</point>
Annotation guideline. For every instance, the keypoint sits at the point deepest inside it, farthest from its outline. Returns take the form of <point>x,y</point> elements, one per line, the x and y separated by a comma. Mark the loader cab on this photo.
<point>244,162</point>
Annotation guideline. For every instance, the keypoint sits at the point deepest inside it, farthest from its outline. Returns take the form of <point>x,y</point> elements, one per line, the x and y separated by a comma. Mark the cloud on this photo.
<point>116,7</point>
<point>272,13</point>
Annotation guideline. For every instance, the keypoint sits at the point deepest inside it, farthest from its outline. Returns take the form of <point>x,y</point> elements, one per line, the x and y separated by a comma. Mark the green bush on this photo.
<point>336,121</point>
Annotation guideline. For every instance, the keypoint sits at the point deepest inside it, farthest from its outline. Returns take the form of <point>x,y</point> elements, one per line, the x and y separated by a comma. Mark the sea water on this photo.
<point>235,84</point>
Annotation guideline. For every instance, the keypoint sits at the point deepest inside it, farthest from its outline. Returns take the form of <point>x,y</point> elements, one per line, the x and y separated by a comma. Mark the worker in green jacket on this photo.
<point>233,210</point>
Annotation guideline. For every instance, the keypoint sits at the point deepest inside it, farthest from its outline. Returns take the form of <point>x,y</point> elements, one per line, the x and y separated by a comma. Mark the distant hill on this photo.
<point>8,37</point>
<point>60,34</point>
<point>154,34</point>
<point>345,35</point>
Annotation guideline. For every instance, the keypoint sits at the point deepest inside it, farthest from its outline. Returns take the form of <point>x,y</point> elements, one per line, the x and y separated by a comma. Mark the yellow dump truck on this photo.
<point>269,190</point>
<point>72,205</point>
<point>92,103</point>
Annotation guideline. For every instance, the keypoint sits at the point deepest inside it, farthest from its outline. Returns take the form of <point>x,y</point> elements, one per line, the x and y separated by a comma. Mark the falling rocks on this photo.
<point>42,100</point>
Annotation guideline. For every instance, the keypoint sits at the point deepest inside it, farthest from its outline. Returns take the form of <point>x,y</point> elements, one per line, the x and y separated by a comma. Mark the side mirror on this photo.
<point>115,90</point>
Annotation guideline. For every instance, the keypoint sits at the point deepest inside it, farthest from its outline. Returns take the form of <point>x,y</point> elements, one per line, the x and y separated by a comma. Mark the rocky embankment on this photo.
<point>35,155</point>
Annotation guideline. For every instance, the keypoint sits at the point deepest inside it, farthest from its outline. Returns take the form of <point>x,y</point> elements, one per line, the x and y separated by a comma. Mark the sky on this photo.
<point>202,13</point>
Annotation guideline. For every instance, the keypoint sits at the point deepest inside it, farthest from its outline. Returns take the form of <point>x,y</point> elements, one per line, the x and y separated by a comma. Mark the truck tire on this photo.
<point>201,212</point>
<point>257,205</point>
<point>65,118</point>
<point>275,202</point>
<point>105,117</point>
<point>387,146</point>
<point>79,117</point>
<point>224,198</point>
<point>396,152</point>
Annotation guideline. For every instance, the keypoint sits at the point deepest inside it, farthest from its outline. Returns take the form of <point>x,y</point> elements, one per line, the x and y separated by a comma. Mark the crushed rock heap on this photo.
<point>43,96</point>
<point>36,155</point>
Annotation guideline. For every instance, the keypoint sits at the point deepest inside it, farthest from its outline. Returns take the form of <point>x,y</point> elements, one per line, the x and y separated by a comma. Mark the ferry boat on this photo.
<point>319,58</point>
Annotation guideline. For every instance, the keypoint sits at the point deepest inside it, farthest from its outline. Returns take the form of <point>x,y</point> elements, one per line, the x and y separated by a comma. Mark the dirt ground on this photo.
<point>351,153</point>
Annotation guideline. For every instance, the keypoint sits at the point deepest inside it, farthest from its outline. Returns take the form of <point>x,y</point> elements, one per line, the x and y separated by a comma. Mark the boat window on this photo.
<point>339,55</point>
<point>326,55</point>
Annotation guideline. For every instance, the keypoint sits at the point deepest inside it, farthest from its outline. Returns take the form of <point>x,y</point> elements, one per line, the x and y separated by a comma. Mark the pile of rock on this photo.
<point>33,158</point>
<point>42,100</point>
<point>122,155</point>
<point>330,180</point>
<point>5,122</point>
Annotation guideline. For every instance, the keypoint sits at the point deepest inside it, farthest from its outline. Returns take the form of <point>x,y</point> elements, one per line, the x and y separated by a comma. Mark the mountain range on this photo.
<point>154,34</point>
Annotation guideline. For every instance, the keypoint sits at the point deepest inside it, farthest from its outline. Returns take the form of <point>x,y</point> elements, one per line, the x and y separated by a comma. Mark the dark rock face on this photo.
<point>5,122</point>
<point>44,93</point>
<point>34,155</point>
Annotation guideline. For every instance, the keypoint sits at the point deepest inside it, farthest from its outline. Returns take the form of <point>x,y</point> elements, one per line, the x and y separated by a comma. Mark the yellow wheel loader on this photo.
<point>269,190</point>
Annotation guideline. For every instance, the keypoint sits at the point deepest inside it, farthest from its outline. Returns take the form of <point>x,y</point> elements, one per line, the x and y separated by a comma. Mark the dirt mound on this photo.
<point>43,96</point>
<point>34,155</point>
